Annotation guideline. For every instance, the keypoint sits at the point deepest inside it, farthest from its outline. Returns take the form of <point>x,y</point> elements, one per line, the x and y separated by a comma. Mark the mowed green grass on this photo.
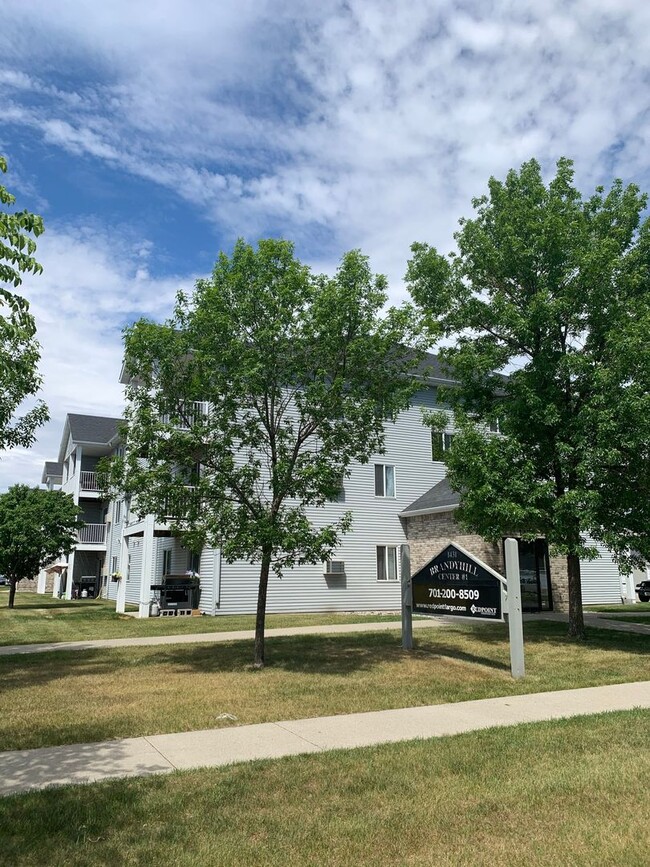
<point>643,607</point>
<point>570,792</point>
<point>41,619</point>
<point>88,696</point>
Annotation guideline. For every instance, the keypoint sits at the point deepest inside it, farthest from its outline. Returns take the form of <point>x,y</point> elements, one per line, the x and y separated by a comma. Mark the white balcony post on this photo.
<point>146,574</point>
<point>120,601</point>
<point>69,582</point>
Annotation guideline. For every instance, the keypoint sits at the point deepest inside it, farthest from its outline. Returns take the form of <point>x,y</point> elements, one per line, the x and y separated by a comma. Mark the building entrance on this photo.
<point>535,576</point>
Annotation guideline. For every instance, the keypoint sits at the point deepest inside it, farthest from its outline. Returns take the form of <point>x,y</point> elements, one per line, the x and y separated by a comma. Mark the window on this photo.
<point>384,480</point>
<point>167,562</point>
<point>113,565</point>
<point>117,511</point>
<point>495,426</point>
<point>387,562</point>
<point>339,496</point>
<point>441,442</point>
<point>193,562</point>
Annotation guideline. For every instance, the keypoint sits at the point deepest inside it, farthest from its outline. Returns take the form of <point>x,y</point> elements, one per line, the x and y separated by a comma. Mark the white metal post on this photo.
<point>515,622</point>
<point>407,597</point>
<point>146,573</point>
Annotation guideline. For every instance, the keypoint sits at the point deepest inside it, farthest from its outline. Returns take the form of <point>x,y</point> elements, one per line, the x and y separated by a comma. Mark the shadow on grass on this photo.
<point>43,605</point>
<point>308,654</point>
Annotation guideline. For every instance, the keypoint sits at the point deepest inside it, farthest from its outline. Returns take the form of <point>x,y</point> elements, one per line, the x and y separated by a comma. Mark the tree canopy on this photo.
<point>36,527</point>
<point>250,404</point>
<point>553,290</point>
<point>19,350</point>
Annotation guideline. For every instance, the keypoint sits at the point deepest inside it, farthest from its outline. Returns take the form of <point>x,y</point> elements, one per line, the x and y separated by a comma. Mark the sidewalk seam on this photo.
<point>300,737</point>
<point>162,755</point>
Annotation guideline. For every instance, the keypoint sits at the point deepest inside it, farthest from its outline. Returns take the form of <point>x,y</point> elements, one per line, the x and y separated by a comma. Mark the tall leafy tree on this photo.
<point>19,350</point>
<point>36,527</point>
<point>555,290</point>
<point>249,405</point>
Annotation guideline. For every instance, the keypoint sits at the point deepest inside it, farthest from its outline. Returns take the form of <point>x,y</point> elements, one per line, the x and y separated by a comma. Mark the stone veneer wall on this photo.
<point>429,534</point>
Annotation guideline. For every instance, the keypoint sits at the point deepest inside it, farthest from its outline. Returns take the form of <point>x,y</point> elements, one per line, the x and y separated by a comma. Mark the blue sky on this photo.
<point>150,136</point>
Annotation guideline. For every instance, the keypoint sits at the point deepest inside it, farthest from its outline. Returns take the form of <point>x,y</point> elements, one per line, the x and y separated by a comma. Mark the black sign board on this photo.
<point>454,583</point>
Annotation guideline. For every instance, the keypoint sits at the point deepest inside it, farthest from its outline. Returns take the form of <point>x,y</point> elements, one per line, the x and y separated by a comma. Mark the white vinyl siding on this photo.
<point>601,580</point>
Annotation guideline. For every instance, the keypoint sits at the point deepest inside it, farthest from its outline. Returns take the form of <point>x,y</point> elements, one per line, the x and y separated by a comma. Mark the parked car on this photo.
<point>643,589</point>
<point>3,580</point>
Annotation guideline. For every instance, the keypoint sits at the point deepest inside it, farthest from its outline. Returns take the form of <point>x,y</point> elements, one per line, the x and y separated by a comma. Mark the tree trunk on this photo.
<point>261,609</point>
<point>12,591</point>
<point>576,619</point>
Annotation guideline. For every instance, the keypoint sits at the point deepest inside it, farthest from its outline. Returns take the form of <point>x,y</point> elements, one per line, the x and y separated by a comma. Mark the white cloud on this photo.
<point>359,122</point>
<point>92,285</point>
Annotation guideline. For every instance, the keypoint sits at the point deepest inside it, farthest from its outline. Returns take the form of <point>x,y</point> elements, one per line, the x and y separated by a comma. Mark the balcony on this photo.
<point>88,481</point>
<point>189,413</point>
<point>93,534</point>
<point>180,503</point>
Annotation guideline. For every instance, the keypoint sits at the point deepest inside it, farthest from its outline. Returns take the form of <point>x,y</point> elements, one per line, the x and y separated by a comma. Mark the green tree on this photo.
<point>554,290</point>
<point>36,527</point>
<point>297,374</point>
<point>19,350</point>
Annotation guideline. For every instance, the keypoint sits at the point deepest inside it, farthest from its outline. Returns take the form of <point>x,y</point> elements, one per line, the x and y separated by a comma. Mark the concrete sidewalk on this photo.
<point>26,770</point>
<point>209,637</point>
<point>594,620</point>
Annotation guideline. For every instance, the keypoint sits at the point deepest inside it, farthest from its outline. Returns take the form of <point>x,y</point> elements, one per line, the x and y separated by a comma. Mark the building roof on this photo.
<point>93,428</point>
<point>439,498</point>
<point>52,470</point>
<point>432,367</point>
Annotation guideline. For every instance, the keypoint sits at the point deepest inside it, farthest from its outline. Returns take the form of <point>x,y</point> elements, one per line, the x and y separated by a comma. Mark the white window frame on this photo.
<point>117,511</point>
<point>445,440</point>
<point>394,556</point>
<point>167,561</point>
<point>384,473</point>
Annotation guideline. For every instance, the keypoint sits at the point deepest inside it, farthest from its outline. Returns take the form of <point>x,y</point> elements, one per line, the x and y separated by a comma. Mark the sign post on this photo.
<point>515,622</point>
<point>407,597</point>
<point>457,584</point>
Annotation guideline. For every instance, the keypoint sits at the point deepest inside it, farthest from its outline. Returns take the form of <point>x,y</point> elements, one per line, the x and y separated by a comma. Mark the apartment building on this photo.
<point>85,440</point>
<point>399,496</point>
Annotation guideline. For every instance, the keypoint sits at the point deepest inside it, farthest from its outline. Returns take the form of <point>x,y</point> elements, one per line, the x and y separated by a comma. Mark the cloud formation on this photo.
<point>338,124</point>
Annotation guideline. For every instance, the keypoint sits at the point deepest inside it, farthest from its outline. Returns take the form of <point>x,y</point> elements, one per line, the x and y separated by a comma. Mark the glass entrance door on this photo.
<point>535,576</point>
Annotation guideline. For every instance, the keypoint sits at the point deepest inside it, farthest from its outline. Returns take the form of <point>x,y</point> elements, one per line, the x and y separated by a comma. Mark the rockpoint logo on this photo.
<point>477,609</point>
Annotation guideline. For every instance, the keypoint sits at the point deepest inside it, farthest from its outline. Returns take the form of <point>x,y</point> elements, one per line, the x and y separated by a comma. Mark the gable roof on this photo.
<point>96,429</point>
<point>93,430</point>
<point>439,498</point>
<point>52,470</point>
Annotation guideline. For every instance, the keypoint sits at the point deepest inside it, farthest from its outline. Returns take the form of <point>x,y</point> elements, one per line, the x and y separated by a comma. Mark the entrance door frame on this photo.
<point>541,554</point>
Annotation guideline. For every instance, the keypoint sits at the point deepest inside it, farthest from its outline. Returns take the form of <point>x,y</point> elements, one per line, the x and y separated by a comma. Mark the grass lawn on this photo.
<point>638,607</point>
<point>69,697</point>
<point>566,792</point>
<point>639,618</point>
<point>38,618</point>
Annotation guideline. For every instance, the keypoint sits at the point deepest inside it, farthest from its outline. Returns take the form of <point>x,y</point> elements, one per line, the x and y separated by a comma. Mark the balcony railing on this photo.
<point>180,503</point>
<point>93,534</point>
<point>188,414</point>
<point>88,481</point>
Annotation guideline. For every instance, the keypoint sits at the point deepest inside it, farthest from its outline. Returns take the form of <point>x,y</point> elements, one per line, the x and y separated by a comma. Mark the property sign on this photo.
<point>457,584</point>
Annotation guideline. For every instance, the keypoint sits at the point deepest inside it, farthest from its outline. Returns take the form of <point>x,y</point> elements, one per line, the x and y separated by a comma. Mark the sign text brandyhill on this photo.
<point>457,584</point>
